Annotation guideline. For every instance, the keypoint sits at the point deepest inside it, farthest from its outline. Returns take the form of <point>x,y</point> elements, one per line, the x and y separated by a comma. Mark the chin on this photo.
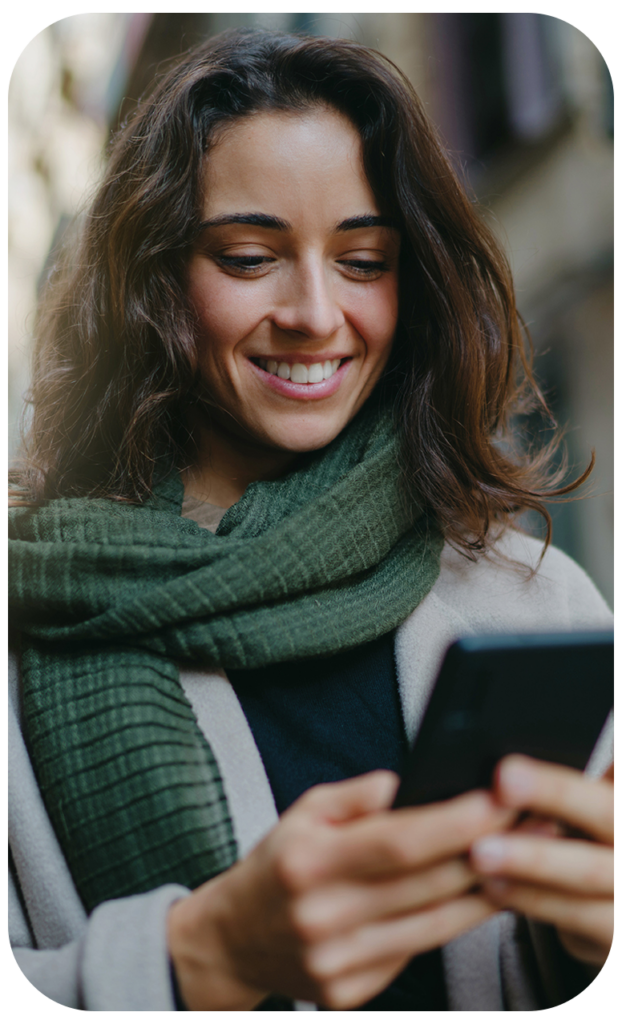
<point>305,440</point>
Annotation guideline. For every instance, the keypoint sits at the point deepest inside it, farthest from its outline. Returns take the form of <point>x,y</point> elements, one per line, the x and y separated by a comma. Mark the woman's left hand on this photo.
<point>562,879</point>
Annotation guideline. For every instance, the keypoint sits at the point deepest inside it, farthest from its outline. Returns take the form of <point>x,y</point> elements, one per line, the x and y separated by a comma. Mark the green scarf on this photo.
<point>110,598</point>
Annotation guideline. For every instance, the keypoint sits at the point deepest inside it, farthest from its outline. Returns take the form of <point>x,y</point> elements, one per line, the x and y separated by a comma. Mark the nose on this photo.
<point>308,303</point>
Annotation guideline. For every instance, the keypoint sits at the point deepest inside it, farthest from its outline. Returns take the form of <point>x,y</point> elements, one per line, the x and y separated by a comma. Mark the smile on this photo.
<point>300,382</point>
<point>298,373</point>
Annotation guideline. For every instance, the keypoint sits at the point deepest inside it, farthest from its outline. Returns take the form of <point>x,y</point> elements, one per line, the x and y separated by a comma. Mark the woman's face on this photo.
<point>294,280</point>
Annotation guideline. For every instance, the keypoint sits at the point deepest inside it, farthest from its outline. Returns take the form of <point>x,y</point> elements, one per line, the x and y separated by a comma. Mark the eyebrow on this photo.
<point>264,220</point>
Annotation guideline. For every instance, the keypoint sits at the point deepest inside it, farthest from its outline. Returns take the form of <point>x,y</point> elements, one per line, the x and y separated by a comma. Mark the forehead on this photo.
<point>310,159</point>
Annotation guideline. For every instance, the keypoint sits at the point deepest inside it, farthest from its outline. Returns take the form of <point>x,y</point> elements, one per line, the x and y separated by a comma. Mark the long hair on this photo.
<point>115,365</point>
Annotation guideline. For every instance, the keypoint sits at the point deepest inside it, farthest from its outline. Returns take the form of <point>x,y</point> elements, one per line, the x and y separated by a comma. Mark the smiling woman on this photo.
<point>271,400</point>
<point>118,371</point>
<point>296,303</point>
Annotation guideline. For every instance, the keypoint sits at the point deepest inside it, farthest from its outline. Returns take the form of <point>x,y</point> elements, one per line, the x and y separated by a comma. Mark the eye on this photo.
<point>245,264</point>
<point>365,268</point>
<point>248,264</point>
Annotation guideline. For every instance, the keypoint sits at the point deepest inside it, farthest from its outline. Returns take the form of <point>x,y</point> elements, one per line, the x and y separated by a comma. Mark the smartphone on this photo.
<point>547,695</point>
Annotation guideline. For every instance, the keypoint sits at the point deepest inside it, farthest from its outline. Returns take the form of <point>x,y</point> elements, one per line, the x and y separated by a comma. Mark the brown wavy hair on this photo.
<point>115,361</point>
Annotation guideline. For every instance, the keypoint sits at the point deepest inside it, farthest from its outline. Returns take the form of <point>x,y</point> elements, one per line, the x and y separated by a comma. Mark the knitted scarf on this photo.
<point>110,598</point>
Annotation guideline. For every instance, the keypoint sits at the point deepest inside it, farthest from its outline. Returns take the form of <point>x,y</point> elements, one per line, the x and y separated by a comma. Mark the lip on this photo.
<point>304,392</point>
<point>306,358</point>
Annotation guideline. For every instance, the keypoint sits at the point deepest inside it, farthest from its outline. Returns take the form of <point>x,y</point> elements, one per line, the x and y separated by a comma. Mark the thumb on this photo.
<point>353,798</point>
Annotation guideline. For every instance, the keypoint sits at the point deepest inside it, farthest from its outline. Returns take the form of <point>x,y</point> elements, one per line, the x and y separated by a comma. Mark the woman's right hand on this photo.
<point>335,901</point>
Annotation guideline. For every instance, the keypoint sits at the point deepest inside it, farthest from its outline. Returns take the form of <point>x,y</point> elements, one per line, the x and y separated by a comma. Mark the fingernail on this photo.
<point>489,852</point>
<point>517,779</point>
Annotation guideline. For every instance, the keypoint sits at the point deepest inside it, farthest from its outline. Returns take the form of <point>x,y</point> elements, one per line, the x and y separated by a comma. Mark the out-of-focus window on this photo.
<point>499,93</point>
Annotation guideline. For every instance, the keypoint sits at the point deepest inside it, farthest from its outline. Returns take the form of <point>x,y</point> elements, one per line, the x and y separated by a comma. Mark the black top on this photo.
<point>328,719</point>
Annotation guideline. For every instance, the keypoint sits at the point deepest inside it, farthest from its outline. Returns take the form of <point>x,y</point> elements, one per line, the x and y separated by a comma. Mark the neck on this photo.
<point>224,465</point>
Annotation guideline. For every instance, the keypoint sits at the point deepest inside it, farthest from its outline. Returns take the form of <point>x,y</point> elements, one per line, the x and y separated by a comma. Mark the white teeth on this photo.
<point>298,373</point>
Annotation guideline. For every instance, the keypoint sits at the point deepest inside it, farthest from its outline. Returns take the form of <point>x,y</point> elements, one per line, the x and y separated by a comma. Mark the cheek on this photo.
<point>226,314</point>
<point>375,319</point>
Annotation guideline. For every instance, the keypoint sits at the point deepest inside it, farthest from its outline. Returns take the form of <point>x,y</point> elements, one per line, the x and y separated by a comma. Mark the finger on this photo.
<point>350,990</point>
<point>405,936</point>
<point>352,798</point>
<point>591,918</point>
<point>400,841</point>
<point>572,864</point>
<point>559,792</point>
<point>344,906</point>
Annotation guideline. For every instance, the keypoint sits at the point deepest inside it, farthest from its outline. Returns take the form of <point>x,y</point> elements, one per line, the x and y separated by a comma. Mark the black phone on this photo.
<point>547,695</point>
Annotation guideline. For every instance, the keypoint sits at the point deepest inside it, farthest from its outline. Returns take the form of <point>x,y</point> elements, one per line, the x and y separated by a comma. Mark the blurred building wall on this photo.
<point>524,104</point>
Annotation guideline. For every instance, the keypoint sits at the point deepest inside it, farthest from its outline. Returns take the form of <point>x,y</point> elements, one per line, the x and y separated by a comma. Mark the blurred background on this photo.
<point>524,103</point>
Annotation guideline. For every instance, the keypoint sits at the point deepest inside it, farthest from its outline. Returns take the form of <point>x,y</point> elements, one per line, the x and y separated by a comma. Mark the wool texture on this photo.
<point>110,598</point>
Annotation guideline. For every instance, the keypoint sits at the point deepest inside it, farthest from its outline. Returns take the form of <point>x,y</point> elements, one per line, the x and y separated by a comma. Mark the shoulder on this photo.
<point>510,590</point>
<point>514,588</point>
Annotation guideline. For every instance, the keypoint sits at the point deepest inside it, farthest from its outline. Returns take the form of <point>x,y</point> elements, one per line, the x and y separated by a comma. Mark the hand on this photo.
<point>334,902</point>
<point>566,879</point>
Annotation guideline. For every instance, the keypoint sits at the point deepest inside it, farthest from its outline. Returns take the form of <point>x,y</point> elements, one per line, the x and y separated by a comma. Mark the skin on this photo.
<point>561,879</point>
<point>315,285</point>
<point>343,891</point>
<point>335,901</point>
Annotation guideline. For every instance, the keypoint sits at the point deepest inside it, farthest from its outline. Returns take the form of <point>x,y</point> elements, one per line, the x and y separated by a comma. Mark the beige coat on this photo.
<point>116,959</point>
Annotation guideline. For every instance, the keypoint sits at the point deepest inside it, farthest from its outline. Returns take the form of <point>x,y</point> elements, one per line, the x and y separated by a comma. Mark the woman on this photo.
<point>266,399</point>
